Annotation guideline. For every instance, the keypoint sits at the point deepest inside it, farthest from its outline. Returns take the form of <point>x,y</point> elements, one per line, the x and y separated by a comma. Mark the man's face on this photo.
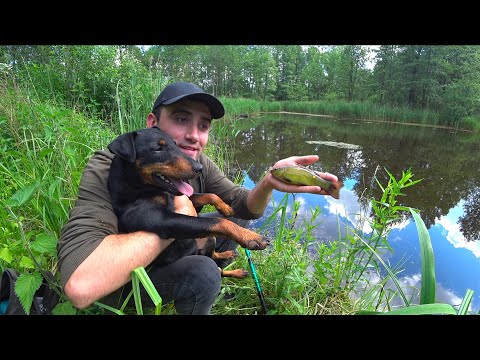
<point>188,123</point>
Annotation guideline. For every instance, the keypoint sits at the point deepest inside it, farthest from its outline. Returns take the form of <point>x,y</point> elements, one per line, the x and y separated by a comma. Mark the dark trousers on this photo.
<point>192,282</point>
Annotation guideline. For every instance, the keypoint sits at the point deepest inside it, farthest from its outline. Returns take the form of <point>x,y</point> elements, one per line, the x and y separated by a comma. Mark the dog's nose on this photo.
<point>198,168</point>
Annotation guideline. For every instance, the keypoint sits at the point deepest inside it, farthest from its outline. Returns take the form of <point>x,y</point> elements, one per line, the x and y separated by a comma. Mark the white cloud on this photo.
<point>453,232</point>
<point>348,207</point>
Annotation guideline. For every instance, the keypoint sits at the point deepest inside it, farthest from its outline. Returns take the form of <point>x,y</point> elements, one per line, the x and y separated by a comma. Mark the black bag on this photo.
<point>44,299</point>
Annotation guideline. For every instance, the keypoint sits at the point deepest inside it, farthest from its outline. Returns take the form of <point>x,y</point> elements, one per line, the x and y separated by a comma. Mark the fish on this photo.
<point>337,144</point>
<point>300,175</point>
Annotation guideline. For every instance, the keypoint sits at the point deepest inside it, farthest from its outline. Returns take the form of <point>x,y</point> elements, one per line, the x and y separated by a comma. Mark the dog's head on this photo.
<point>158,159</point>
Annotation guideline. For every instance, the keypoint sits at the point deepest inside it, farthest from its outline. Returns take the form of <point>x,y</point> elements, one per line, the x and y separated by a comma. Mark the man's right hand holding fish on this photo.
<point>290,181</point>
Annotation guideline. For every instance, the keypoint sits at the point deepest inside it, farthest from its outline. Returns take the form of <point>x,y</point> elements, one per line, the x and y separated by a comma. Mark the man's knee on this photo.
<point>203,274</point>
<point>203,280</point>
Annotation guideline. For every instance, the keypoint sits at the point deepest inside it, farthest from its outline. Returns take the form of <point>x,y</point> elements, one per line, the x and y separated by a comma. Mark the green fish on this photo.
<point>299,175</point>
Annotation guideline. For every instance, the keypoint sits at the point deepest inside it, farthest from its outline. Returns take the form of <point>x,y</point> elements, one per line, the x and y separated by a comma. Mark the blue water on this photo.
<point>457,262</point>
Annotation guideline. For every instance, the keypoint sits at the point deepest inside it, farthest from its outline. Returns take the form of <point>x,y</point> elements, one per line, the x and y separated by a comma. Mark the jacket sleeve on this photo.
<point>234,195</point>
<point>91,219</point>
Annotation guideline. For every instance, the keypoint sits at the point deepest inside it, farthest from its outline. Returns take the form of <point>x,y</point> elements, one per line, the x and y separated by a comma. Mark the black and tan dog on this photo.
<point>147,171</point>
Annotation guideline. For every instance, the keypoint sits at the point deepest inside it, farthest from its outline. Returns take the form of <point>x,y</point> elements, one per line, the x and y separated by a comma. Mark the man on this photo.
<point>95,261</point>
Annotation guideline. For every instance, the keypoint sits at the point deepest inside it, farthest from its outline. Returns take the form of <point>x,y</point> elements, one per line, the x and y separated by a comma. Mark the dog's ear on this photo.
<point>124,146</point>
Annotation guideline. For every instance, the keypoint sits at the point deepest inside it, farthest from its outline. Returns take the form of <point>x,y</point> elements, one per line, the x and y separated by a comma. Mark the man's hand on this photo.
<point>184,206</point>
<point>259,197</point>
<point>295,161</point>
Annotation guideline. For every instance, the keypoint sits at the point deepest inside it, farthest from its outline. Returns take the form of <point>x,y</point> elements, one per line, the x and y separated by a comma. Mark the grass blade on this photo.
<point>467,300</point>
<point>142,275</point>
<point>136,293</point>
<point>427,293</point>
<point>116,311</point>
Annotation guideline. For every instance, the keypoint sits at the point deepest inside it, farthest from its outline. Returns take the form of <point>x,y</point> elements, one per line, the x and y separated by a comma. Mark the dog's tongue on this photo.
<point>183,187</point>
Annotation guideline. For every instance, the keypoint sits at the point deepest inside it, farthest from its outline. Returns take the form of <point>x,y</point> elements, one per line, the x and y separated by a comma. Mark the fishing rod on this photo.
<point>257,283</point>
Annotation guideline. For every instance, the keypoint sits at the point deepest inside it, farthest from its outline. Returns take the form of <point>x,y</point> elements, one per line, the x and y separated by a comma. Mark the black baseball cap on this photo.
<point>179,90</point>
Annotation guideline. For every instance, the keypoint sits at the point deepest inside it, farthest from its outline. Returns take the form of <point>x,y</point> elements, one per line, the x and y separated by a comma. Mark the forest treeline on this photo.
<point>443,79</point>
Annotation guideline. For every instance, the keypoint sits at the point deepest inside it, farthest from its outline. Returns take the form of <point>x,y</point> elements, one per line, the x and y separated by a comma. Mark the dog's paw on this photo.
<point>258,244</point>
<point>237,273</point>
<point>225,210</point>
<point>225,255</point>
<point>241,273</point>
<point>230,254</point>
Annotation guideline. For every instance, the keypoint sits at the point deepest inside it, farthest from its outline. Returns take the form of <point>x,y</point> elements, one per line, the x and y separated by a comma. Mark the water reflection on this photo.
<point>448,197</point>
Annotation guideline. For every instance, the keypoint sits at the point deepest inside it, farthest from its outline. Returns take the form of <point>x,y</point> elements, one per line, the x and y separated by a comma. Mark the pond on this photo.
<point>448,197</point>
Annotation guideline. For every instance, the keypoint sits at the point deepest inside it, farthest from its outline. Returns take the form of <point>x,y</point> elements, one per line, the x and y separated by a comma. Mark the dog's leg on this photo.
<point>182,226</point>
<point>224,255</point>
<point>206,246</point>
<point>155,218</point>
<point>204,199</point>
<point>244,237</point>
<point>237,273</point>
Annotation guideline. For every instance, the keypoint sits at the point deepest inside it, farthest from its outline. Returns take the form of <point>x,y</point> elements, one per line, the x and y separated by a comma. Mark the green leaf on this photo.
<point>45,243</point>
<point>424,309</point>
<point>27,263</point>
<point>22,196</point>
<point>427,292</point>
<point>6,255</point>
<point>65,308</point>
<point>53,187</point>
<point>45,152</point>
<point>25,287</point>
<point>410,183</point>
